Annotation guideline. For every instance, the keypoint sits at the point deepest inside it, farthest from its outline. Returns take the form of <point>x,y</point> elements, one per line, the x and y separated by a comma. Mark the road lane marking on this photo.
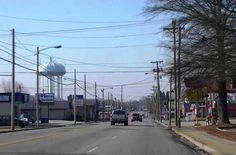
<point>93,149</point>
<point>114,137</point>
<point>25,140</point>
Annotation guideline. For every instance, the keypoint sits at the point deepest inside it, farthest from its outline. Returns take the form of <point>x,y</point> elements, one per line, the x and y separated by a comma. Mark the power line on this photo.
<point>96,47</point>
<point>17,56</point>
<point>98,28</point>
<point>138,67</point>
<point>92,37</point>
<point>17,64</point>
<point>83,63</point>
<point>96,72</point>
<point>75,21</point>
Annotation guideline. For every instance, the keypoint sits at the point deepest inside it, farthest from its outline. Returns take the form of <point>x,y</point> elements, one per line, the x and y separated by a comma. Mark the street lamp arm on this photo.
<point>58,46</point>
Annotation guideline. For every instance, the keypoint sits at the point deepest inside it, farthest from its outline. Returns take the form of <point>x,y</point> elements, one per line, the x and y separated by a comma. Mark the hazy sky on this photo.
<point>105,35</point>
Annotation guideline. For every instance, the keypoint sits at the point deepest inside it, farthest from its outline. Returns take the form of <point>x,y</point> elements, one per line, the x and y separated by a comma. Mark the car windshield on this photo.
<point>135,114</point>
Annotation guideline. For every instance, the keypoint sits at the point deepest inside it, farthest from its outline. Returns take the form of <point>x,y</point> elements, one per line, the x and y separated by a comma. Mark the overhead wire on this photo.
<point>17,64</point>
<point>96,47</point>
<point>87,29</point>
<point>91,37</point>
<point>74,21</point>
<point>24,59</point>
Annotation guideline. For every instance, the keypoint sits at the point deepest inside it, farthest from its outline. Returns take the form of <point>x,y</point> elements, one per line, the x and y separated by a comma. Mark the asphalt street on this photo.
<point>139,138</point>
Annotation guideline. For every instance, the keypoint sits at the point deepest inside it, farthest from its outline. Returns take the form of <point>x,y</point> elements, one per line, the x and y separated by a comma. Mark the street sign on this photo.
<point>46,98</point>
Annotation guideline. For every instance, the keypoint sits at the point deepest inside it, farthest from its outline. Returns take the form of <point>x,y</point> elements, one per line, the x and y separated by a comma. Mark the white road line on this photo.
<point>114,137</point>
<point>93,149</point>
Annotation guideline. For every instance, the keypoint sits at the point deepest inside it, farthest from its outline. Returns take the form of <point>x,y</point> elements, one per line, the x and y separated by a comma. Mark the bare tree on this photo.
<point>6,86</point>
<point>208,45</point>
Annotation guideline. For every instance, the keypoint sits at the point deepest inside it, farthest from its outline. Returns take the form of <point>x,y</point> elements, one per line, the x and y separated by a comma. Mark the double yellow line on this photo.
<point>25,140</point>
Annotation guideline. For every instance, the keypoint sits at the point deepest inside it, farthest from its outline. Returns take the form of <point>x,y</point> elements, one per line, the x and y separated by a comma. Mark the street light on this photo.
<point>37,74</point>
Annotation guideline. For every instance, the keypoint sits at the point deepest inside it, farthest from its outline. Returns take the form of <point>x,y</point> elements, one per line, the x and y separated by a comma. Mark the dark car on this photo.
<point>30,119</point>
<point>22,121</point>
<point>136,117</point>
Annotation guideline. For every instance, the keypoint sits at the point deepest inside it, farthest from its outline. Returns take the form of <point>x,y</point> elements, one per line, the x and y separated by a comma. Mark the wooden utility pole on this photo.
<point>95,104</point>
<point>179,79</point>
<point>103,105</point>
<point>13,82</point>
<point>159,108</point>
<point>85,100</point>
<point>170,99</point>
<point>74,99</point>
<point>121,96</point>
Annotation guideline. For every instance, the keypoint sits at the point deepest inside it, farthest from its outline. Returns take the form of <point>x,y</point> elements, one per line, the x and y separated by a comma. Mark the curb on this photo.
<point>195,142</point>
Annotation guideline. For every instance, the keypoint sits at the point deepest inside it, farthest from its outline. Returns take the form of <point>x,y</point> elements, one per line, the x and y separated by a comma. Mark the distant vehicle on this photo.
<point>136,117</point>
<point>22,121</point>
<point>119,116</point>
<point>26,115</point>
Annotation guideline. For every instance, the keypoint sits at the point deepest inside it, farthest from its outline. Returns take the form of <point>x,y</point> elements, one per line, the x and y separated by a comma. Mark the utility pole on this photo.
<point>111,103</point>
<point>153,107</point>
<point>170,99</point>
<point>37,91</point>
<point>115,103</point>
<point>85,104</point>
<point>103,104</point>
<point>74,99</point>
<point>175,72</point>
<point>121,95</point>
<point>95,106</point>
<point>108,103</point>
<point>158,89</point>
<point>13,82</point>
<point>179,77</point>
<point>155,104</point>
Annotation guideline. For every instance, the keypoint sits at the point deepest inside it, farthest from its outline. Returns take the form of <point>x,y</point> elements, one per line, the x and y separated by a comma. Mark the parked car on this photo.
<point>119,116</point>
<point>22,121</point>
<point>136,117</point>
<point>30,119</point>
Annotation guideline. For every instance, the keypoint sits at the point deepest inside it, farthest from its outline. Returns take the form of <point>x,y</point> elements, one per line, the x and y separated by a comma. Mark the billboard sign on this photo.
<point>20,98</point>
<point>5,97</point>
<point>46,98</point>
<point>79,100</point>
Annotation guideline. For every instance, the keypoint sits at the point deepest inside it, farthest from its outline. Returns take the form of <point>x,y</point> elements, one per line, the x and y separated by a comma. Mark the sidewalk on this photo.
<point>51,124</point>
<point>210,143</point>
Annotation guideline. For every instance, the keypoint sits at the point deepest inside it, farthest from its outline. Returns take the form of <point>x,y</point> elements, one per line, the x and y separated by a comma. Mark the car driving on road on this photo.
<point>119,116</point>
<point>136,117</point>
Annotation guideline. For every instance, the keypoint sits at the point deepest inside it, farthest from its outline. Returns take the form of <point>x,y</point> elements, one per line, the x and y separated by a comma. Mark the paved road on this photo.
<point>139,138</point>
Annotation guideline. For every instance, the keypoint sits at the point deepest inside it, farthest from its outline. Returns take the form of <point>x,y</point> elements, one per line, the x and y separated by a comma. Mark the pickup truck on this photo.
<point>119,116</point>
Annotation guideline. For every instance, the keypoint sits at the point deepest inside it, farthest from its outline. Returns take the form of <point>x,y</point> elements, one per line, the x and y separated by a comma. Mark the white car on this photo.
<point>119,116</point>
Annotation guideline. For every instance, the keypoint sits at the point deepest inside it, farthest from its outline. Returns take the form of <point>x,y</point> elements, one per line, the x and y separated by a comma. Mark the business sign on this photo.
<point>79,100</point>
<point>46,98</point>
<point>5,97</point>
<point>20,98</point>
